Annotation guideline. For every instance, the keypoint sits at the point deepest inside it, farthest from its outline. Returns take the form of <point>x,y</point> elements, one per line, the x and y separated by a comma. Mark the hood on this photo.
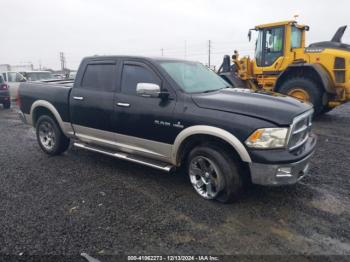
<point>327,44</point>
<point>273,107</point>
<point>335,43</point>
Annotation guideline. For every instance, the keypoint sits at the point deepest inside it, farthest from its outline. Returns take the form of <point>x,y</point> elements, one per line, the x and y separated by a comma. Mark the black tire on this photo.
<point>327,109</point>
<point>231,181</point>
<point>59,144</point>
<point>315,93</point>
<point>7,104</point>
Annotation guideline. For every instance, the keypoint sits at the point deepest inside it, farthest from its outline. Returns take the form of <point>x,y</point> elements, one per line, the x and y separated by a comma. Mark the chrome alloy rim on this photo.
<point>205,177</point>
<point>47,135</point>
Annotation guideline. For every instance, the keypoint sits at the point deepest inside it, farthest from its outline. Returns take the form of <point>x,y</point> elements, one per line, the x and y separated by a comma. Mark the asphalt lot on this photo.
<point>86,202</point>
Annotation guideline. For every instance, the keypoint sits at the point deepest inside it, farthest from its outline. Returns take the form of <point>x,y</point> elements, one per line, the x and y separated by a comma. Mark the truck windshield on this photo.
<point>194,77</point>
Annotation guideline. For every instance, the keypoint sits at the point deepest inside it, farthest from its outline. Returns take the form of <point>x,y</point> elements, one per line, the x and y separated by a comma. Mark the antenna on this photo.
<point>209,52</point>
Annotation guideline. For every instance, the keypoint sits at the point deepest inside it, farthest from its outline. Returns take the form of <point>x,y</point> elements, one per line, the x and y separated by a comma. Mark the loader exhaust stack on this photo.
<point>339,34</point>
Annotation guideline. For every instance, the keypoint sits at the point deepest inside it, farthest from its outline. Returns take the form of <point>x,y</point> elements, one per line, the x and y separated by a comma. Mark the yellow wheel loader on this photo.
<point>319,73</point>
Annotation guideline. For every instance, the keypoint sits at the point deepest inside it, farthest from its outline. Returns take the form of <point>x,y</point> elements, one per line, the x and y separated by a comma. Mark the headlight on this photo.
<point>265,138</point>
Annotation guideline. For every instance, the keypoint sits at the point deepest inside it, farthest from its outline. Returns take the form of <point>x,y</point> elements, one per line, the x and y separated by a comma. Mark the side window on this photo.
<point>4,76</point>
<point>273,44</point>
<point>296,37</point>
<point>99,77</point>
<point>134,74</point>
<point>259,48</point>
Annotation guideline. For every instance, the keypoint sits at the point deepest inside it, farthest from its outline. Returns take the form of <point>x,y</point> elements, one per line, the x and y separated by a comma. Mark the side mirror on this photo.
<point>148,90</point>
<point>250,35</point>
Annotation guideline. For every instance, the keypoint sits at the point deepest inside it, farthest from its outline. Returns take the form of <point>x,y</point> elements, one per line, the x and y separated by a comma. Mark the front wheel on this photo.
<point>214,173</point>
<point>306,90</point>
<point>327,109</point>
<point>50,137</point>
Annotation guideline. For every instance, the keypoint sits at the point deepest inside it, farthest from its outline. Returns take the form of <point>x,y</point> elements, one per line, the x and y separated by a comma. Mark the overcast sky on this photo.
<point>37,30</point>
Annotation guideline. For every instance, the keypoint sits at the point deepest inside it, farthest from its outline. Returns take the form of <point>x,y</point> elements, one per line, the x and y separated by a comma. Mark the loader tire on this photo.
<point>306,90</point>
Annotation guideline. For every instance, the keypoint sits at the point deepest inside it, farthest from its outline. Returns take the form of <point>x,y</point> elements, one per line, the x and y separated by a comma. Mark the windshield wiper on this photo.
<point>211,90</point>
<point>214,90</point>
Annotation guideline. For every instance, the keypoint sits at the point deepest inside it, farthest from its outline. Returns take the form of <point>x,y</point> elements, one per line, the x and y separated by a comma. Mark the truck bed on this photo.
<point>55,92</point>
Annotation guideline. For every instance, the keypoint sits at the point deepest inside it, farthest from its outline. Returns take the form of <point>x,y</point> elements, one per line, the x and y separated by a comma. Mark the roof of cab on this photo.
<point>280,23</point>
<point>153,59</point>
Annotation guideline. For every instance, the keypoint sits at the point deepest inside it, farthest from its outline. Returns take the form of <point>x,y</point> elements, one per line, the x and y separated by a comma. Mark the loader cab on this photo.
<point>275,45</point>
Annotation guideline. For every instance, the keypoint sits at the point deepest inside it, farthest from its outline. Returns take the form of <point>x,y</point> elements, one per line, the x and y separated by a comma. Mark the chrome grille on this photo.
<point>300,130</point>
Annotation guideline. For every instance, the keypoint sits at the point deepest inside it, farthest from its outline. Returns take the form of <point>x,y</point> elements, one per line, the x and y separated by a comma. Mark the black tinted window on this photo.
<point>134,74</point>
<point>99,77</point>
<point>1,80</point>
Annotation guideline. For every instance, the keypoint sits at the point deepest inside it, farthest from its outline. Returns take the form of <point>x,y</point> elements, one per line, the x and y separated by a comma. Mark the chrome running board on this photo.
<point>121,155</point>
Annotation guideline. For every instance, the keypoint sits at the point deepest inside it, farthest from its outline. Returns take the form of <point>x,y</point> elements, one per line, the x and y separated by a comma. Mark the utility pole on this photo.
<point>63,61</point>
<point>162,50</point>
<point>209,52</point>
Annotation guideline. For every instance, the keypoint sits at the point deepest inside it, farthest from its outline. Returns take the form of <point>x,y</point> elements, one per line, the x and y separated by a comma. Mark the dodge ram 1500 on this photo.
<point>167,113</point>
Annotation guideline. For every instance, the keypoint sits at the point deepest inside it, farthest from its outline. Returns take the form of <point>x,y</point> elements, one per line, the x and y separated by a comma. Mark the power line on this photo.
<point>210,49</point>
<point>63,61</point>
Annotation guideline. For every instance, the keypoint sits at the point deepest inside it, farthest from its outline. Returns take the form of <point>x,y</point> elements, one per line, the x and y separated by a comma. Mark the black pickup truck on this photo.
<point>167,113</point>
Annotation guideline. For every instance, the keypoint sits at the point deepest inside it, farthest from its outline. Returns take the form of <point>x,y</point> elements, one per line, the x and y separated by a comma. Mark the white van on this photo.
<point>38,75</point>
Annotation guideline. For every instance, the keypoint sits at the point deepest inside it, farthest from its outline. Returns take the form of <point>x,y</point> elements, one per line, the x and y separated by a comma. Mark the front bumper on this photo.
<point>279,174</point>
<point>281,167</point>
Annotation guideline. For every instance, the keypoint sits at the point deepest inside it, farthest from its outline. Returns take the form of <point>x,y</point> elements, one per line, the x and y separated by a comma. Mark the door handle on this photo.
<point>78,98</point>
<point>123,104</point>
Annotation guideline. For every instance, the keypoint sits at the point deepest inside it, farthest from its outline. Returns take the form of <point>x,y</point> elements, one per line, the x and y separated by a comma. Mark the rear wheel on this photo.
<point>306,90</point>
<point>214,173</point>
<point>50,137</point>
<point>7,104</point>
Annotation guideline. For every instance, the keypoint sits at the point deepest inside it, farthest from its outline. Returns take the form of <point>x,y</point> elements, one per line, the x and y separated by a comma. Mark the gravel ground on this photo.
<point>86,202</point>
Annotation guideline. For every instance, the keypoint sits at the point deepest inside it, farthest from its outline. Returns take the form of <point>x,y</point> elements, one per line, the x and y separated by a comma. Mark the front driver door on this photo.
<point>269,51</point>
<point>143,125</point>
<point>274,46</point>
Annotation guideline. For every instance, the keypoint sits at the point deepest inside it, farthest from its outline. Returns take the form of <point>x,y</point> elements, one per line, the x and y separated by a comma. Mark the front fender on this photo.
<point>319,70</point>
<point>212,131</point>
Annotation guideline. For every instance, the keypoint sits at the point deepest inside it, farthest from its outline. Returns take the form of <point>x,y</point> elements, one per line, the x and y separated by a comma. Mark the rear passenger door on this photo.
<point>92,102</point>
